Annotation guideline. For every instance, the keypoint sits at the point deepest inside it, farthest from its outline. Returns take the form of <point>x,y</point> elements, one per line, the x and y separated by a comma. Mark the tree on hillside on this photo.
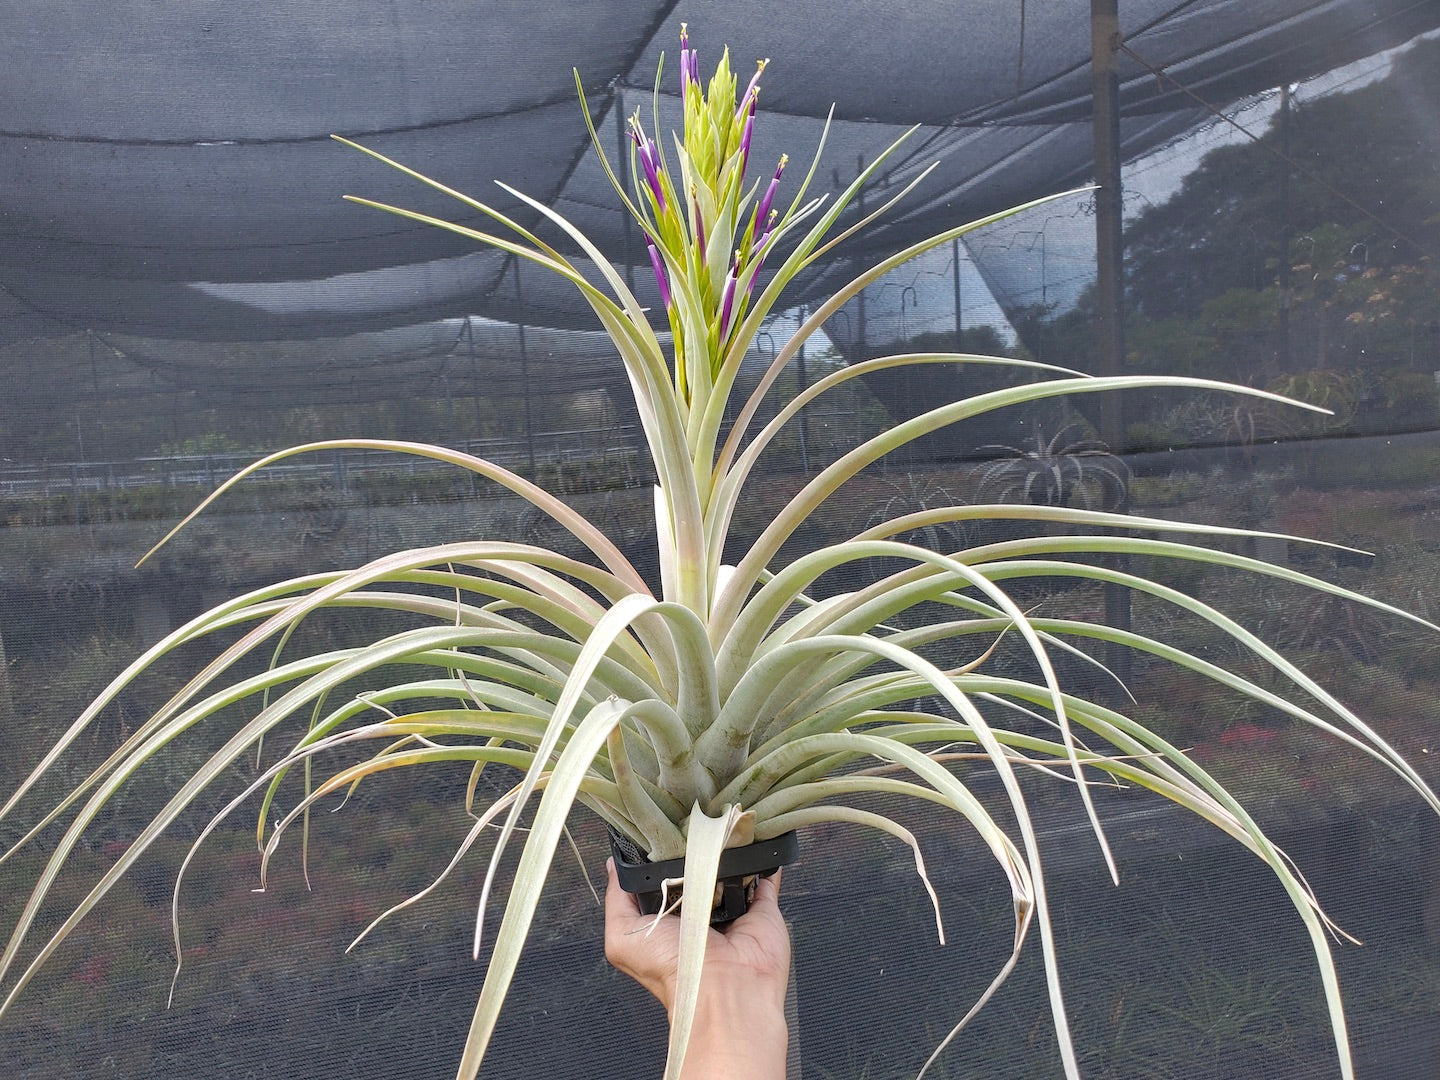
<point>1366,168</point>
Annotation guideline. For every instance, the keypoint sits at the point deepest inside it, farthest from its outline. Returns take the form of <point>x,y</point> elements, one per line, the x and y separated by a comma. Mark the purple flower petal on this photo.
<point>689,64</point>
<point>762,212</point>
<point>747,99</point>
<point>649,161</point>
<point>699,225</point>
<point>658,265</point>
<point>745,141</point>
<point>757,256</point>
<point>727,302</point>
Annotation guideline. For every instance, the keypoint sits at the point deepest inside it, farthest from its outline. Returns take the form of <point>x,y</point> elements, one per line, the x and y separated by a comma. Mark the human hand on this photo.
<point>742,987</point>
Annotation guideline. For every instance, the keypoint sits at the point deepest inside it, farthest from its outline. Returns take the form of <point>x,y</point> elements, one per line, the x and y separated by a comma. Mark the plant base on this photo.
<point>740,868</point>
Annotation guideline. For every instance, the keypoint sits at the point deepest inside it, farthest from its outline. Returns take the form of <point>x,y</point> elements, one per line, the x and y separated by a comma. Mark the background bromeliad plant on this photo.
<point>1060,471</point>
<point>731,704</point>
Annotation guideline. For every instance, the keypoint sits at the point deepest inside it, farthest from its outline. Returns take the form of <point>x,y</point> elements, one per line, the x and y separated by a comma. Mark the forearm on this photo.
<point>744,1038</point>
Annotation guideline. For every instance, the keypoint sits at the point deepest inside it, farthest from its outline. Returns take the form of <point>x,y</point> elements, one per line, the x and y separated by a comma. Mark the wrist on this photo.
<point>737,1040</point>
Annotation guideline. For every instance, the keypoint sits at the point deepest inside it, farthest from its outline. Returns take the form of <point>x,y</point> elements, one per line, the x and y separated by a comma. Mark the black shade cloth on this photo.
<point>154,150</point>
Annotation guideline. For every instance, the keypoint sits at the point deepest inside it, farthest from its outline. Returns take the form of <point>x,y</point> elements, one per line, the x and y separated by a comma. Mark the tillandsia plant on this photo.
<point>1059,471</point>
<point>733,705</point>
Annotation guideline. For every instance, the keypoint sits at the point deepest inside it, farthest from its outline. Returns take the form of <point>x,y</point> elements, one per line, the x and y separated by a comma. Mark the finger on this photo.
<point>767,891</point>
<point>764,909</point>
<point>619,904</point>
<point>622,911</point>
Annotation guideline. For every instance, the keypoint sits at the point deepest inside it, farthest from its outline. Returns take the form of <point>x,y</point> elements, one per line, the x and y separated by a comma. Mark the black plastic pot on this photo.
<point>739,869</point>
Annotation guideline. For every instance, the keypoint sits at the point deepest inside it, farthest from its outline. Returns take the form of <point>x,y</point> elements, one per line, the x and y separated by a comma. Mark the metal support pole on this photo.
<point>1282,348</point>
<point>803,379</point>
<point>959,308</point>
<point>860,298</point>
<point>622,159</point>
<point>524,370</point>
<point>1109,328</point>
<point>474,379</point>
<point>1105,42</point>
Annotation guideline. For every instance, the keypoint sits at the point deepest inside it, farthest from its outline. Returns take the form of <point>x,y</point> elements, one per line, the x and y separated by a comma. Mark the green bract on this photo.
<point>730,707</point>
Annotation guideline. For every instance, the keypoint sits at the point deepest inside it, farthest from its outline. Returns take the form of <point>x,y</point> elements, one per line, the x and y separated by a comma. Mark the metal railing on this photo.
<point>342,469</point>
<point>610,456</point>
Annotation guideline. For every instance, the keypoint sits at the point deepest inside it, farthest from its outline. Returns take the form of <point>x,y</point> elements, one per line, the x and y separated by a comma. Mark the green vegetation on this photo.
<point>1323,284</point>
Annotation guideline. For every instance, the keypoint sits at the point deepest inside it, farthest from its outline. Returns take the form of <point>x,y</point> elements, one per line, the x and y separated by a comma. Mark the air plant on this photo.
<point>1060,471</point>
<point>739,702</point>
